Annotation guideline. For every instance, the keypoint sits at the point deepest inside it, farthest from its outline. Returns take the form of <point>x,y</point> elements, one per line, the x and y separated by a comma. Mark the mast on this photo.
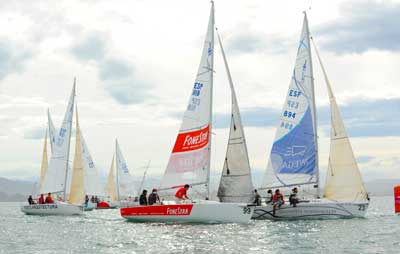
<point>144,177</point>
<point>69,144</point>
<point>211,100</point>
<point>117,167</point>
<point>315,108</point>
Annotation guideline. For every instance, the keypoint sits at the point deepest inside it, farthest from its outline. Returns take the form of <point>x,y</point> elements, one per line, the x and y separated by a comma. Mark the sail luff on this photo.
<point>236,184</point>
<point>69,142</point>
<point>111,188</point>
<point>45,163</point>
<point>52,130</point>
<point>77,194</point>
<point>117,169</point>
<point>344,181</point>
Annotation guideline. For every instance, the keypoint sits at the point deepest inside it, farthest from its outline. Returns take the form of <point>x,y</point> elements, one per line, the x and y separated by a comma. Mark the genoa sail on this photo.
<point>56,174</point>
<point>110,189</point>
<point>343,181</point>
<point>294,155</point>
<point>189,162</point>
<point>236,184</point>
<point>45,163</point>
<point>77,194</point>
<point>125,185</point>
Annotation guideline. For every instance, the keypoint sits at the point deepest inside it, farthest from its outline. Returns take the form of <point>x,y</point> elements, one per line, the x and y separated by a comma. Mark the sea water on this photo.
<point>104,231</point>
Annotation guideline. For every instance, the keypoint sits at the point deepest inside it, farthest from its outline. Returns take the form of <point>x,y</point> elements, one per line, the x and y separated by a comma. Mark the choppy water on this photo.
<point>104,231</point>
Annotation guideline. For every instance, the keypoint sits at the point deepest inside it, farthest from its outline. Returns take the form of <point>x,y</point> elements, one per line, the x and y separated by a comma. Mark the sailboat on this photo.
<point>293,160</point>
<point>235,184</point>
<point>123,192</point>
<point>55,180</point>
<point>189,162</point>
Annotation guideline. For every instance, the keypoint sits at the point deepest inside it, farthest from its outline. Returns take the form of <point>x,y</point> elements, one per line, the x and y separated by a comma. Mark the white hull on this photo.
<point>59,208</point>
<point>315,209</point>
<point>199,212</point>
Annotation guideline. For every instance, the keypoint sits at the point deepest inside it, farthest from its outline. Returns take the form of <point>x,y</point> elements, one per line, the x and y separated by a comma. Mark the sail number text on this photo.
<point>196,93</point>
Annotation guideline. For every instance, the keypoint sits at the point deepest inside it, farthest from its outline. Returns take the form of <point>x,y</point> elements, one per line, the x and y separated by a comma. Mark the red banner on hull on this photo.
<point>157,210</point>
<point>190,141</point>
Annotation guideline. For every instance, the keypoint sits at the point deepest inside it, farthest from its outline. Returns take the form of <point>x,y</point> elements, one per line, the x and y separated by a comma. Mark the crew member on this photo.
<point>181,194</point>
<point>293,199</point>
<point>30,200</point>
<point>49,199</point>
<point>277,201</point>
<point>41,199</point>
<point>153,197</point>
<point>268,198</point>
<point>257,198</point>
<point>143,198</point>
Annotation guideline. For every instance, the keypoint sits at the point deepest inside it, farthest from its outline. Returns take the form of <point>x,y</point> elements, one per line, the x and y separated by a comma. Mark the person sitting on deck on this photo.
<point>49,199</point>
<point>277,200</point>
<point>257,198</point>
<point>30,200</point>
<point>293,199</point>
<point>268,198</point>
<point>181,194</point>
<point>143,198</point>
<point>153,197</point>
<point>41,199</point>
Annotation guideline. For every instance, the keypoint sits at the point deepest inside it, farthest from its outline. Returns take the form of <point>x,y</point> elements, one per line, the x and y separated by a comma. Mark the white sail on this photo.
<point>125,185</point>
<point>45,163</point>
<point>343,180</point>
<point>91,176</point>
<point>110,189</point>
<point>236,184</point>
<point>190,159</point>
<point>55,179</point>
<point>52,130</point>
<point>77,194</point>
<point>294,155</point>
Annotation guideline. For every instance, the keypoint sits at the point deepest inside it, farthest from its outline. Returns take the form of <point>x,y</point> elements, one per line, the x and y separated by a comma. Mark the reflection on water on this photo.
<point>104,231</point>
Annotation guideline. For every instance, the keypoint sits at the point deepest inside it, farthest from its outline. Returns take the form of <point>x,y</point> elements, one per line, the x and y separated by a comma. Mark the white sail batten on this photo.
<point>45,163</point>
<point>293,159</point>
<point>236,184</point>
<point>110,189</point>
<point>125,184</point>
<point>56,175</point>
<point>343,181</point>
<point>77,194</point>
<point>189,162</point>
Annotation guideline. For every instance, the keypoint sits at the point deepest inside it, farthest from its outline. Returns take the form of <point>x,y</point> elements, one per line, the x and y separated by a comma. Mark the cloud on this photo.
<point>92,47</point>
<point>365,159</point>
<point>13,57</point>
<point>362,26</point>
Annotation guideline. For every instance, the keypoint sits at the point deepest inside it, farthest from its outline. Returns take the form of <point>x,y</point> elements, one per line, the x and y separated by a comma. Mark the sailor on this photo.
<point>181,194</point>
<point>49,199</point>
<point>153,197</point>
<point>41,199</point>
<point>30,200</point>
<point>268,198</point>
<point>293,199</point>
<point>86,200</point>
<point>257,198</point>
<point>143,198</point>
<point>277,201</point>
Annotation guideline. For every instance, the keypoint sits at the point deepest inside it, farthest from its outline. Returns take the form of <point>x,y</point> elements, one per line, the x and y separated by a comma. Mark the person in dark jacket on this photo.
<point>293,199</point>
<point>257,198</point>
<point>30,200</point>
<point>143,198</point>
<point>153,197</point>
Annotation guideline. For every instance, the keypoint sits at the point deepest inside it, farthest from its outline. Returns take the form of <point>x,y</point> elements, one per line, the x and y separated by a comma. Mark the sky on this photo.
<point>136,61</point>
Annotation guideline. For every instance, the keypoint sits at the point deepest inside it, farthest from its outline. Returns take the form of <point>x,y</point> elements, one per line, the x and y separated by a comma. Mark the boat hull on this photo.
<point>315,209</point>
<point>107,205</point>
<point>207,212</point>
<point>64,209</point>
<point>89,206</point>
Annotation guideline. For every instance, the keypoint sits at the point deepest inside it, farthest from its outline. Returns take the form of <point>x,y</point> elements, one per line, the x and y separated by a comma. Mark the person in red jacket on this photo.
<point>181,194</point>
<point>277,200</point>
<point>41,199</point>
<point>49,199</point>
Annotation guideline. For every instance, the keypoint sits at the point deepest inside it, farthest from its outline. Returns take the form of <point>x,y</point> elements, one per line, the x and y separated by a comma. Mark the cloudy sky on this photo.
<point>135,63</point>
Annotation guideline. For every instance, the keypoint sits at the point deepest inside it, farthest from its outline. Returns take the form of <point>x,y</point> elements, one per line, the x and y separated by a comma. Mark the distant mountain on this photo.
<point>14,190</point>
<point>381,187</point>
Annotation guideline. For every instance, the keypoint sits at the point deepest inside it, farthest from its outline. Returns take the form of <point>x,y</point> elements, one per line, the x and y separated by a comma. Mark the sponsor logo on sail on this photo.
<point>193,140</point>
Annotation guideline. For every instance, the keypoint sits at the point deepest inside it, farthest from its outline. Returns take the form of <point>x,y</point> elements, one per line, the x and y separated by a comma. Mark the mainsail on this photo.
<point>125,186</point>
<point>343,179</point>
<point>110,187</point>
<point>236,184</point>
<point>56,175</point>
<point>52,130</point>
<point>190,158</point>
<point>91,176</point>
<point>294,155</point>
<point>44,165</point>
<point>77,194</point>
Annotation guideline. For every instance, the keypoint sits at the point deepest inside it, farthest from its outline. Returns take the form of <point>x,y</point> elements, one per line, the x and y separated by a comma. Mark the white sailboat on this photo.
<point>236,184</point>
<point>55,180</point>
<point>293,159</point>
<point>190,159</point>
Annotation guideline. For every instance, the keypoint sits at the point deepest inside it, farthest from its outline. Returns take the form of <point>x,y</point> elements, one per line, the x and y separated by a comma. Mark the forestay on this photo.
<point>236,184</point>
<point>294,155</point>
<point>125,185</point>
<point>343,179</point>
<point>190,159</point>
<point>55,179</point>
